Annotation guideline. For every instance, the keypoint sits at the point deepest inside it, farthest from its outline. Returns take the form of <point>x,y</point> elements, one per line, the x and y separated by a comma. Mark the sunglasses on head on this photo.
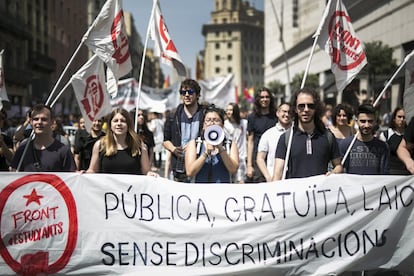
<point>189,91</point>
<point>302,107</point>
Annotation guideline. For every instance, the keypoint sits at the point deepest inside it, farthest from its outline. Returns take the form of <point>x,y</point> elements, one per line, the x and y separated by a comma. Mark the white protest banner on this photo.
<point>98,224</point>
<point>166,99</point>
<point>218,90</point>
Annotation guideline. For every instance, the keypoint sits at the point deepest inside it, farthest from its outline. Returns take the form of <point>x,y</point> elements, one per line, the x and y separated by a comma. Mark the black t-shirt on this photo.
<point>83,146</point>
<point>258,124</point>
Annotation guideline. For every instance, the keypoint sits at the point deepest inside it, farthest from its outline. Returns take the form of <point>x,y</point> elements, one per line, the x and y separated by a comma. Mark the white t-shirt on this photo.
<point>268,143</point>
<point>237,133</point>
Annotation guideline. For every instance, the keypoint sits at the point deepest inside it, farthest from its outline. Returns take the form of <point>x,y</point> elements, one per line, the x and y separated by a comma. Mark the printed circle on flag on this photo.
<point>93,97</point>
<point>119,39</point>
<point>346,49</point>
<point>36,211</point>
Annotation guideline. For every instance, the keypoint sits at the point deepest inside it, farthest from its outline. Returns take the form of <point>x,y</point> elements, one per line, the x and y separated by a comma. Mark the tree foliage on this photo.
<point>380,61</point>
<point>312,81</point>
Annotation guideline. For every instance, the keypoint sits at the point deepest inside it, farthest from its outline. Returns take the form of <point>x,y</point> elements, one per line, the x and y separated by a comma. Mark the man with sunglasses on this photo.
<point>311,149</point>
<point>182,126</point>
<point>368,155</point>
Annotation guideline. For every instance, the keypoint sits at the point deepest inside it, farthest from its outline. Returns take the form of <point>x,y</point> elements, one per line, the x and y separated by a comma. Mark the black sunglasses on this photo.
<point>189,91</point>
<point>302,107</point>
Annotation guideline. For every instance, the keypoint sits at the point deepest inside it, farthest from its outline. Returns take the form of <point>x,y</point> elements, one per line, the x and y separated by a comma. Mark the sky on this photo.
<point>184,20</point>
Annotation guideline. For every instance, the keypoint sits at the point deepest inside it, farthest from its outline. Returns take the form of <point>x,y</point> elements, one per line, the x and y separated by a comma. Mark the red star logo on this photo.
<point>33,197</point>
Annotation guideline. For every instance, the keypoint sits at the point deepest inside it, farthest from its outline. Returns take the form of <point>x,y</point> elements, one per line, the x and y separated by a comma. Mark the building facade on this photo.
<point>234,43</point>
<point>40,37</point>
<point>388,21</point>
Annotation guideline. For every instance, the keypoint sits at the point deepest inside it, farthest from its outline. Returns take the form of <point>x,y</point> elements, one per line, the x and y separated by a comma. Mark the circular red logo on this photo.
<point>346,48</point>
<point>35,209</point>
<point>93,97</point>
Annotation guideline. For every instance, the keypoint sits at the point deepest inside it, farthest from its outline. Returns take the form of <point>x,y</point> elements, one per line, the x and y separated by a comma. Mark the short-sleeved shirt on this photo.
<point>307,159</point>
<point>55,158</point>
<point>258,124</point>
<point>268,144</point>
<point>368,158</point>
<point>83,146</point>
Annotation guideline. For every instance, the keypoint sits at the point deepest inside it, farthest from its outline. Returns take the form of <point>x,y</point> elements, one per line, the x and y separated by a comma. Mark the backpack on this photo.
<point>328,133</point>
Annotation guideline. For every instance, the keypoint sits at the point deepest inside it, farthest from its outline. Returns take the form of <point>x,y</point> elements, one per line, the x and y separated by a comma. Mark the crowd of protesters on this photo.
<point>297,139</point>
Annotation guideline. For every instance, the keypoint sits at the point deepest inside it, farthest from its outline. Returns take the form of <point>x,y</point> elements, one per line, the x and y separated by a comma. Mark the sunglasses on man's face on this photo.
<point>189,91</point>
<point>301,107</point>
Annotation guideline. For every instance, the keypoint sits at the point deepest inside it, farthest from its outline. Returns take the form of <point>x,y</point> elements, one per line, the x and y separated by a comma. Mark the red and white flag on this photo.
<point>3,92</point>
<point>338,39</point>
<point>108,39</point>
<point>90,91</point>
<point>164,46</point>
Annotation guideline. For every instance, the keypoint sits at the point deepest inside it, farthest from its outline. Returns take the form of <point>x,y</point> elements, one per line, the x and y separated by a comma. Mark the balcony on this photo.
<point>41,61</point>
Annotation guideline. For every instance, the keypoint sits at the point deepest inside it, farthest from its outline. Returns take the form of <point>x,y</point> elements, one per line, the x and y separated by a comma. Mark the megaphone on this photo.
<point>214,135</point>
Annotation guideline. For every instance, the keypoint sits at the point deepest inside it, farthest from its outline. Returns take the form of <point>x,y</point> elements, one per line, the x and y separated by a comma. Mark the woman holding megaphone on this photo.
<point>212,158</point>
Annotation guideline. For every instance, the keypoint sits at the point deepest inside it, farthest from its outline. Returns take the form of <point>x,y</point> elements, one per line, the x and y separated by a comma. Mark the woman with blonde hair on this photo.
<point>120,151</point>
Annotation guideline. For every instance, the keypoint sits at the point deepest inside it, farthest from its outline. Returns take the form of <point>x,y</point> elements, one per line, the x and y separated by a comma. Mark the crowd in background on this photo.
<point>254,148</point>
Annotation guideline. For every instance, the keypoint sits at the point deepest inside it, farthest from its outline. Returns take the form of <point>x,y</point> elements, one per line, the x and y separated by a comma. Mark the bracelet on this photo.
<point>221,150</point>
<point>205,155</point>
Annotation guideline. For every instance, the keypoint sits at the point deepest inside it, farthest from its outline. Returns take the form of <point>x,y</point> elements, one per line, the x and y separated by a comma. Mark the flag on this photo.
<point>218,90</point>
<point>90,91</point>
<point>108,39</point>
<point>338,39</point>
<point>3,92</point>
<point>164,46</point>
<point>150,97</point>
<point>408,98</point>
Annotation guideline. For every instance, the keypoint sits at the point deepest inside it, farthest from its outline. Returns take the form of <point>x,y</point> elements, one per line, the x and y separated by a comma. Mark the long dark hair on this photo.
<point>272,106</point>
<point>394,115</point>
<point>236,113</point>
<point>319,125</point>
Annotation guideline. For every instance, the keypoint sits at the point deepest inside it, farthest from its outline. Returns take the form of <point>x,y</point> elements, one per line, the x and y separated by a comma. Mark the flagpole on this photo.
<point>288,91</point>
<point>64,71</point>
<point>60,93</point>
<point>316,37</point>
<point>406,59</point>
<point>143,63</point>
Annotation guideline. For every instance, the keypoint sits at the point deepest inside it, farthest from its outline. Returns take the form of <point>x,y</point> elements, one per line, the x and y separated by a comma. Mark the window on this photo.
<point>229,45</point>
<point>217,57</point>
<point>229,57</point>
<point>295,13</point>
<point>229,70</point>
<point>217,45</point>
<point>217,70</point>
